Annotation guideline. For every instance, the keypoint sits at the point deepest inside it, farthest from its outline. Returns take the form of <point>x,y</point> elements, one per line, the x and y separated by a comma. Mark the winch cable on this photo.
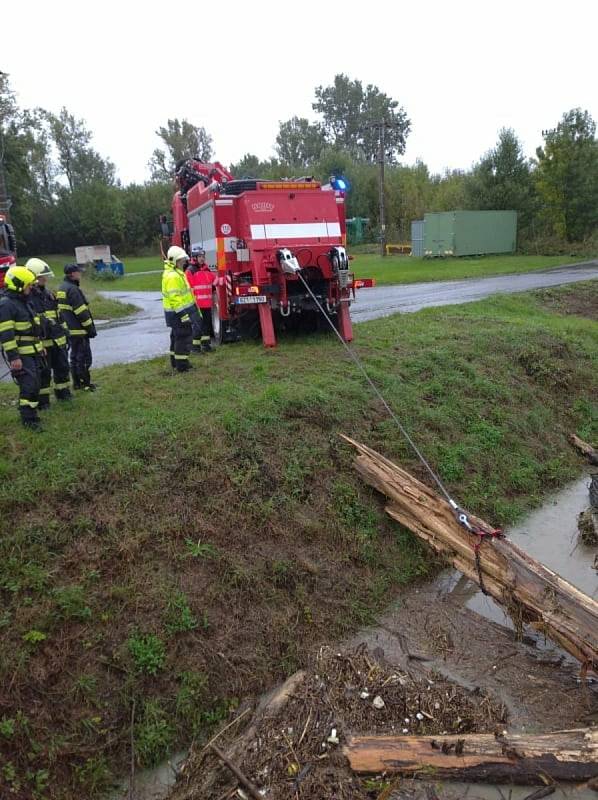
<point>461,516</point>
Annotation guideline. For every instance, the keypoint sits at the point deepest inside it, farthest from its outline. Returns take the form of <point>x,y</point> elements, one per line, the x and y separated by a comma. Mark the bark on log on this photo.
<point>584,448</point>
<point>514,758</point>
<point>529,591</point>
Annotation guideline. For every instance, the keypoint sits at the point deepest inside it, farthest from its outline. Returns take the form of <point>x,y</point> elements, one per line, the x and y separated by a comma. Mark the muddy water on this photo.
<point>549,535</point>
<point>152,784</point>
<point>456,630</point>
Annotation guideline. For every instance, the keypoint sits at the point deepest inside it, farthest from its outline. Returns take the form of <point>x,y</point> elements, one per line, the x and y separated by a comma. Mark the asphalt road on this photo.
<point>385,300</point>
<point>144,334</point>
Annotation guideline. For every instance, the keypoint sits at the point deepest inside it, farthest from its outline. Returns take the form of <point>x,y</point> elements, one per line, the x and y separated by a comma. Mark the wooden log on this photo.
<point>584,448</point>
<point>514,758</point>
<point>529,591</point>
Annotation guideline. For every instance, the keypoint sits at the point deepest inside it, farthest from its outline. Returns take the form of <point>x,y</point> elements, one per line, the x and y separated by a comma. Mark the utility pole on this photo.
<point>381,128</point>
<point>382,154</point>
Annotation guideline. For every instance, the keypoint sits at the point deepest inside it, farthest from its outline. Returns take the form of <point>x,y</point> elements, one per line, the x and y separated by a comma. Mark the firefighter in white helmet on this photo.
<point>54,336</point>
<point>179,308</point>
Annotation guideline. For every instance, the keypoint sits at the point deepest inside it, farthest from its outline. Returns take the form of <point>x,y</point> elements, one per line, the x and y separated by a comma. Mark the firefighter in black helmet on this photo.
<point>20,337</point>
<point>74,311</point>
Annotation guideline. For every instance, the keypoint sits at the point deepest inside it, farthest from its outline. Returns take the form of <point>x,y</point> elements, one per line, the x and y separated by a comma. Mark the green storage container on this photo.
<point>469,233</point>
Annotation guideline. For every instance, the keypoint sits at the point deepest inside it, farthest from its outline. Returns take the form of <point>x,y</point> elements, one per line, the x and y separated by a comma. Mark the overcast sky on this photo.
<point>461,69</point>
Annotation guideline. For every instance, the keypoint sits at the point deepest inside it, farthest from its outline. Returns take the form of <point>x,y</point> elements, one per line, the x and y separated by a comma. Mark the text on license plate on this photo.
<point>251,298</point>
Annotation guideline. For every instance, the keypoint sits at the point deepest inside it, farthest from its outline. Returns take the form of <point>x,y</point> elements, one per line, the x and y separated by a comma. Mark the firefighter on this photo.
<point>45,304</point>
<point>20,337</point>
<point>180,311</point>
<point>200,279</point>
<point>75,313</point>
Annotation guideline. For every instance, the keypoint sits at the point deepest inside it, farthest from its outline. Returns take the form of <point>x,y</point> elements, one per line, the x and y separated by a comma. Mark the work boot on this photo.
<point>63,394</point>
<point>90,387</point>
<point>44,404</point>
<point>206,347</point>
<point>32,425</point>
<point>77,383</point>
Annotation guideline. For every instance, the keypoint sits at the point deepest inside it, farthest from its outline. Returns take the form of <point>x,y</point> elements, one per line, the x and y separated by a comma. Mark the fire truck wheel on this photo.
<point>226,330</point>
<point>217,325</point>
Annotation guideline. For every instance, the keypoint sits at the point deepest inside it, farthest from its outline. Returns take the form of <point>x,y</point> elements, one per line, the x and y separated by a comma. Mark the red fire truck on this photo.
<point>8,247</point>
<point>266,239</point>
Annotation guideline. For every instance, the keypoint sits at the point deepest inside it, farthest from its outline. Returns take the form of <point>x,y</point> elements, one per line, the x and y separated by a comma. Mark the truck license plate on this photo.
<point>251,298</point>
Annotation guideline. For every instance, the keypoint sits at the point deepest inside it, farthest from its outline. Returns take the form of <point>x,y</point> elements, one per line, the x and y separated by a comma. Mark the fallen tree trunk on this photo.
<point>530,592</point>
<point>514,758</point>
<point>584,448</point>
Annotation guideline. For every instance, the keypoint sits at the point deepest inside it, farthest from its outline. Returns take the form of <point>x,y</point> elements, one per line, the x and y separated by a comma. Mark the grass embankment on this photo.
<point>181,541</point>
<point>101,307</point>
<point>386,271</point>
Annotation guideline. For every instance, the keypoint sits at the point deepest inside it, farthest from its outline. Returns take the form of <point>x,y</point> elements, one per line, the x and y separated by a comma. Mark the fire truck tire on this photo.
<point>217,325</point>
<point>224,330</point>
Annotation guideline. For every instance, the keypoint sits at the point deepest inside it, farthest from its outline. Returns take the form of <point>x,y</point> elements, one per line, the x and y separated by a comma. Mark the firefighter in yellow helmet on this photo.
<point>44,302</point>
<point>20,337</point>
<point>179,308</point>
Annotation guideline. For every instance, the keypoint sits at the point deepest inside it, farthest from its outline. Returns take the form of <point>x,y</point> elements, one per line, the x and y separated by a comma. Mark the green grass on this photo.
<point>104,307</point>
<point>184,540</point>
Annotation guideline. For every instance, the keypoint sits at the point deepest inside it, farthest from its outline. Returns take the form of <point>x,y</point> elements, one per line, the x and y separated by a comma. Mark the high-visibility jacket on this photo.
<point>74,309</point>
<point>177,300</point>
<point>45,304</point>
<point>20,326</point>
<point>200,279</point>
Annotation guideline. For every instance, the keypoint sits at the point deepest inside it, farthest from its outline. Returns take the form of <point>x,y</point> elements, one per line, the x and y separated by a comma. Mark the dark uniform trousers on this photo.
<point>202,327</point>
<point>80,361</point>
<point>29,382</point>
<point>56,362</point>
<point>181,338</point>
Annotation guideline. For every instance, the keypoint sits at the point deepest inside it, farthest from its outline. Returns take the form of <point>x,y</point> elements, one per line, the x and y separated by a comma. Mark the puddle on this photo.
<point>477,791</point>
<point>549,535</point>
<point>151,784</point>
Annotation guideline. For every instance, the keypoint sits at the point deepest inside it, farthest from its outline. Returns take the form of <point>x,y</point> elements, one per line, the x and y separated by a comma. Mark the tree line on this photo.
<point>64,193</point>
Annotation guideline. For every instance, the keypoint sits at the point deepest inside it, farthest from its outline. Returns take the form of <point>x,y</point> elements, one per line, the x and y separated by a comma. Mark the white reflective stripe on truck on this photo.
<point>296,230</point>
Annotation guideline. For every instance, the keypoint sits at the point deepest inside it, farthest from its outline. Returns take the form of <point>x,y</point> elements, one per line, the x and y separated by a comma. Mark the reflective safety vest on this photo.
<point>20,326</point>
<point>201,280</point>
<point>177,300</point>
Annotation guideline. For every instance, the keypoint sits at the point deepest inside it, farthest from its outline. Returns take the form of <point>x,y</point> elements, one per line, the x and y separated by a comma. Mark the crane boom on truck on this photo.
<point>8,247</point>
<point>259,236</point>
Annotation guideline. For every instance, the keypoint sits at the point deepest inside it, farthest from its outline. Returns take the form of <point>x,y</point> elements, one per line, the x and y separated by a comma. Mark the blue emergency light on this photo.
<point>339,183</point>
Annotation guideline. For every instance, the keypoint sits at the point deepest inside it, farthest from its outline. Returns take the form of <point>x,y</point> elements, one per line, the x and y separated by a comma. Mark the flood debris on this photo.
<point>530,592</point>
<point>587,523</point>
<point>292,747</point>
<point>585,449</point>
